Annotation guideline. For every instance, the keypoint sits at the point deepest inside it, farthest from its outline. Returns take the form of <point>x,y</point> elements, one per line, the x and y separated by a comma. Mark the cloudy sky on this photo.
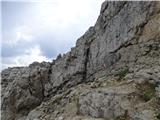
<point>38,30</point>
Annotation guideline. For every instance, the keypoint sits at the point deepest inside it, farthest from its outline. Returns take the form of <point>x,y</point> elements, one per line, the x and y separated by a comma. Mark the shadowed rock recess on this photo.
<point>113,72</point>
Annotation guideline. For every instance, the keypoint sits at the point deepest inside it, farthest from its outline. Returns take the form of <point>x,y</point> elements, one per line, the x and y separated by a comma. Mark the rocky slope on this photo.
<point>113,72</point>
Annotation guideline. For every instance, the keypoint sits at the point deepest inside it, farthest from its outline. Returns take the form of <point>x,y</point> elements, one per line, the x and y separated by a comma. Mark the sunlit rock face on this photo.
<point>114,66</point>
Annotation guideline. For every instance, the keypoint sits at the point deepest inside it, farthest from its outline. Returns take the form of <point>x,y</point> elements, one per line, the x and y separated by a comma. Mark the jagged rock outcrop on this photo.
<point>23,89</point>
<point>113,72</point>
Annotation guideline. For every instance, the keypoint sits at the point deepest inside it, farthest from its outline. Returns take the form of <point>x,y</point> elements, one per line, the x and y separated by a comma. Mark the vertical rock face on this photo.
<point>71,68</point>
<point>126,34</point>
<point>119,23</point>
<point>23,89</point>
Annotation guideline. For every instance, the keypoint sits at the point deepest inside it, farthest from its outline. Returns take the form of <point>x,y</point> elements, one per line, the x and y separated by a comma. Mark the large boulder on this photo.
<point>107,104</point>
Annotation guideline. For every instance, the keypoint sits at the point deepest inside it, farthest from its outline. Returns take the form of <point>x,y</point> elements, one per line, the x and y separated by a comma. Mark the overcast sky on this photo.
<point>38,30</point>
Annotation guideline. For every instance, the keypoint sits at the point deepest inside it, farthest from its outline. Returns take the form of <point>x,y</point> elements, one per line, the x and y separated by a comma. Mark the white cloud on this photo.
<point>50,25</point>
<point>33,54</point>
<point>20,33</point>
<point>23,33</point>
<point>63,13</point>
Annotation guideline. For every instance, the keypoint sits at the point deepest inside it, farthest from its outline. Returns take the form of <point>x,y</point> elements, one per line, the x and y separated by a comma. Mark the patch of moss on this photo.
<point>122,73</point>
<point>147,91</point>
<point>158,100</point>
<point>158,116</point>
<point>148,95</point>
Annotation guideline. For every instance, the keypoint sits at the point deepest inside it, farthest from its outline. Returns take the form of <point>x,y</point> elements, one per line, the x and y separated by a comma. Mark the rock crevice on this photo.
<point>126,35</point>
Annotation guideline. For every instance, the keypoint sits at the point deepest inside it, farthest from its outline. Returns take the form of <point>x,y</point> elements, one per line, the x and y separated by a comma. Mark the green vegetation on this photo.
<point>158,116</point>
<point>147,91</point>
<point>122,73</point>
<point>148,95</point>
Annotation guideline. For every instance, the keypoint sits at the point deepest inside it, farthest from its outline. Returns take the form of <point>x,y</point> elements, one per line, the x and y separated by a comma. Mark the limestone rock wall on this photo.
<point>23,89</point>
<point>126,34</point>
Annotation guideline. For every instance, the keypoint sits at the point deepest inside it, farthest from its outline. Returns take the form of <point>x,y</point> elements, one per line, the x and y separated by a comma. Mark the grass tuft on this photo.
<point>147,91</point>
<point>122,73</point>
<point>158,116</point>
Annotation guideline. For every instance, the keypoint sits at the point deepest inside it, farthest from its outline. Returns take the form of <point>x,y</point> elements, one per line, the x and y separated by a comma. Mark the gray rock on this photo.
<point>22,89</point>
<point>34,115</point>
<point>150,75</point>
<point>144,115</point>
<point>117,26</point>
<point>103,104</point>
<point>158,91</point>
<point>125,35</point>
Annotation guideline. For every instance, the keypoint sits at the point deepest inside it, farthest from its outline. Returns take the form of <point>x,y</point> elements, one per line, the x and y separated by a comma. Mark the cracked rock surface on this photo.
<point>113,72</point>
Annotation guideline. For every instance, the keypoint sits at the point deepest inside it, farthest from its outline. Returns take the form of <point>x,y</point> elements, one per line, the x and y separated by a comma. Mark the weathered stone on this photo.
<point>104,104</point>
<point>22,89</point>
<point>145,115</point>
<point>126,22</point>
<point>158,90</point>
<point>126,34</point>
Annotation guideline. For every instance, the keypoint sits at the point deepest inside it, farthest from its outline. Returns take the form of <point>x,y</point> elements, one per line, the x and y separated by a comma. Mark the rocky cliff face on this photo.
<point>112,73</point>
